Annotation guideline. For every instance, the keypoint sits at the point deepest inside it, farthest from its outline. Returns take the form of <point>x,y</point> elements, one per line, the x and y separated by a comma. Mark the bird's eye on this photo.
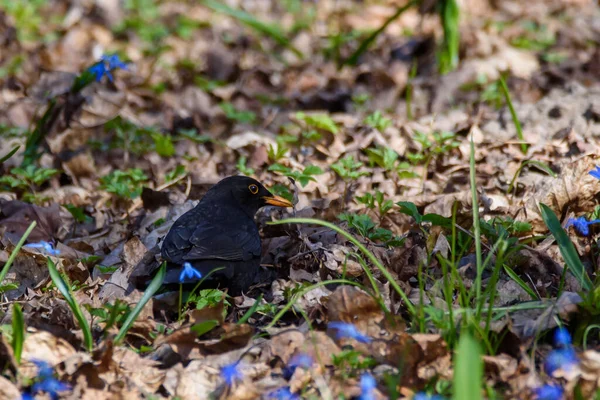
<point>253,189</point>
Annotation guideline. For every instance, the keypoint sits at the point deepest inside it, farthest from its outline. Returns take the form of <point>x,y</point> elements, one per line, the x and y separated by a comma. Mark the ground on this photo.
<point>443,170</point>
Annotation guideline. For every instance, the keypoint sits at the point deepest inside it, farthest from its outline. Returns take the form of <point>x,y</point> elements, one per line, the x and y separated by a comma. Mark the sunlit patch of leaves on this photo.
<point>364,226</point>
<point>283,191</point>
<point>304,176</point>
<point>432,145</point>
<point>239,116</point>
<point>377,203</point>
<point>537,37</point>
<point>242,167</point>
<point>125,184</point>
<point>208,298</point>
<point>378,121</point>
<point>318,121</point>
<point>348,168</point>
<point>30,177</point>
<point>351,362</point>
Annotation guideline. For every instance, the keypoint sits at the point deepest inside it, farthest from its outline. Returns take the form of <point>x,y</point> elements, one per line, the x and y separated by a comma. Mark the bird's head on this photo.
<point>249,193</point>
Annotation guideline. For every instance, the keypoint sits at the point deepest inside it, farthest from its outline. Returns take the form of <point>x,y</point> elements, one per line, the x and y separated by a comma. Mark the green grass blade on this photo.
<point>476,223</point>
<point>468,369</point>
<point>152,288</point>
<point>301,293</point>
<point>513,114</point>
<point>18,333</point>
<point>513,275</point>
<point>409,90</point>
<point>361,247</point>
<point>251,21</point>
<point>250,311</point>
<point>450,16</point>
<point>538,164</point>
<point>572,261</point>
<point>353,59</point>
<point>10,154</point>
<point>64,289</point>
<point>14,253</point>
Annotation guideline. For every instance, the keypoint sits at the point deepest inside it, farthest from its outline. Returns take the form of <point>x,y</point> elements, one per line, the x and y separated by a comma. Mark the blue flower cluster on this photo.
<point>105,66</point>
<point>189,273</point>
<point>230,373</point>
<point>549,392</point>
<point>367,387</point>
<point>47,247</point>
<point>301,360</point>
<point>46,382</point>
<point>283,393</point>
<point>346,330</point>
<point>562,357</point>
<point>581,224</point>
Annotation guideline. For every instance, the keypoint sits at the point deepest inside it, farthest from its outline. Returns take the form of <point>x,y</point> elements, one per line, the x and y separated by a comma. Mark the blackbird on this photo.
<point>220,233</point>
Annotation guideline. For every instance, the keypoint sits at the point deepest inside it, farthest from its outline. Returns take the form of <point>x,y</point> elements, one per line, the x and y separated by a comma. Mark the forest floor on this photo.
<point>470,272</point>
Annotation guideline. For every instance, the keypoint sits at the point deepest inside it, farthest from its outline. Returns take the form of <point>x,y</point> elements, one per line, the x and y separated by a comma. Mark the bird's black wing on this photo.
<point>210,241</point>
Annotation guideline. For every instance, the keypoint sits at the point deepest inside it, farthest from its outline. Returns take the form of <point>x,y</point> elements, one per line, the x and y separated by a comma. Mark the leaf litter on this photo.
<point>380,149</point>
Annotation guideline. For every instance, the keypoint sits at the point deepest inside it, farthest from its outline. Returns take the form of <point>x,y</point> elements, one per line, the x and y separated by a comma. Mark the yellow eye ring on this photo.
<point>253,188</point>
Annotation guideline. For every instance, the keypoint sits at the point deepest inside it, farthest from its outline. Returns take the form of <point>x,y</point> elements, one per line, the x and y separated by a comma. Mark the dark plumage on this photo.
<point>220,232</point>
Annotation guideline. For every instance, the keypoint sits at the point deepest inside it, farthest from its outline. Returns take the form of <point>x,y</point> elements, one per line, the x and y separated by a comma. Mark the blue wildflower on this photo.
<point>51,386</point>
<point>47,247</point>
<point>581,225</point>
<point>347,330</point>
<point>45,370</point>
<point>46,381</point>
<point>283,393</point>
<point>549,392</point>
<point>562,337</point>
<point>230,373</point>
<point>302,360</point>
<point>564,359</point>
<point>105,66</point>
<point>595,172</point>
<point>367,386</point>
<point>189,273</point>
<point>113,62</point>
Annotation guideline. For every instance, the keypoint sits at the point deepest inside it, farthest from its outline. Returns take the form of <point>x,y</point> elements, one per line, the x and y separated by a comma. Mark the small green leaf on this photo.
<point>150,290</point>
<point>9,154</point>
<point>318,121</point>
<point>468,369</point>
<point>203,327</point>
<point>250,311</point>
<point>18,327</point>
<point>572,261</point>
<point>163,144</point>
<point>408,208</point>
<point>64,289</point>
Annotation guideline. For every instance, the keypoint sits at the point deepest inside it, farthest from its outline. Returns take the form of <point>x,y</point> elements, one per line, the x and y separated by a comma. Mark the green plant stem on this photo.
<point>362,248</point>
<point>298,295</point>
<point>180,301</point>
<point>65,290</point>
<point>250,311</point>
<point>365,44</point>
<point>18,325</point>
<point>152,288</point>
<point>476,224</point>
<point>513,114</point>
<point>15,251</point>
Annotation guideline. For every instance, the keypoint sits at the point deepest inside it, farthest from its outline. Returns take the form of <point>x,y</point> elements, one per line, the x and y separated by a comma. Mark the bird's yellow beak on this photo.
<point>278,201</point>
